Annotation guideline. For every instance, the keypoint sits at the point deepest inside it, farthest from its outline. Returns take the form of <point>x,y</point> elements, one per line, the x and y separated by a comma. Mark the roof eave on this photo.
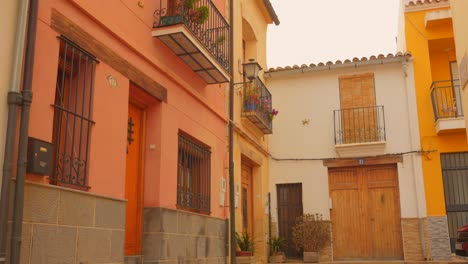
<point>271,12</point>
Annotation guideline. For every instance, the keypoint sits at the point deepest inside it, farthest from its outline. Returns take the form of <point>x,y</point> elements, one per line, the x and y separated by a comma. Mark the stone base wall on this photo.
<point>173,236</point>
<point>61,225</point>
<point>438,238</point>
<point>411,232</point>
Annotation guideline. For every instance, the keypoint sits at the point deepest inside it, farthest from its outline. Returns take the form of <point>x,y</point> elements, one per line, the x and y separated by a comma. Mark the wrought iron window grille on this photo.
<point>193,175</point>
<point>72,115</point>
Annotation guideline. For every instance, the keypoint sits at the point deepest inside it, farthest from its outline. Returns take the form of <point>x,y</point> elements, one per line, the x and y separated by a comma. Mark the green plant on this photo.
<point>275,245</point>
<point>311,232</point>
<point>189,4</point>
<point>245,242</point>
<point>220,39</point>
<point>198,14</point>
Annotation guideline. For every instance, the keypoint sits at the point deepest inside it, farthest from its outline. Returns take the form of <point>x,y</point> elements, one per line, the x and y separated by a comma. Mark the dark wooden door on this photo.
<point>365,214</point>
<point>246,200</point>
<point>289,207</point>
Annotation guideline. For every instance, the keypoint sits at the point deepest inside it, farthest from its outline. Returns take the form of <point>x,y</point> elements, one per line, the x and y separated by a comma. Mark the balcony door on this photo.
<point>359,122</point>
<point>455,80</point>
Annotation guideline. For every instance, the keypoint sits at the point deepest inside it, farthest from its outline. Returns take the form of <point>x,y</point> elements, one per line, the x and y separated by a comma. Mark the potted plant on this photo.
<point>276,256</point>
<point>251,100</point>
<point>311,234</point>
<point>197,14</point>
<point>245,244</point>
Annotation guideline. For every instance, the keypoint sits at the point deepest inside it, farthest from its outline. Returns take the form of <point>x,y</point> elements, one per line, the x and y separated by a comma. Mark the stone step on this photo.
<point>134,259</point>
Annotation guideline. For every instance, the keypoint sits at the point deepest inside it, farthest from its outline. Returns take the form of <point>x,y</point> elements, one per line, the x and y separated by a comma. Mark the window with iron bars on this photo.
<point>72,116</point>
<point>193,175</point>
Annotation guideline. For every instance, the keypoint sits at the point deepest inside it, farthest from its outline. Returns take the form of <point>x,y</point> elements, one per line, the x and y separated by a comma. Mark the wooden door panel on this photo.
<point>348,239</point>
<point>385,225</point>
<point>289,199</point>
<point>365,214</point>
<point>246,198</point>
<point>133,192</point>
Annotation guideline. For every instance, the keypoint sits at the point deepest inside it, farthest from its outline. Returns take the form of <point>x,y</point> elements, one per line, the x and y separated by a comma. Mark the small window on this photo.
<point>72,116</point>
<point>193,175</point>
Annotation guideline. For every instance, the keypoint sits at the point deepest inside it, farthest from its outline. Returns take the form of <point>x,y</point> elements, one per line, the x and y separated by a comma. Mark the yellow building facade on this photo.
<point>460,21</point>
<point>426,31</point>
<point>252,123</point>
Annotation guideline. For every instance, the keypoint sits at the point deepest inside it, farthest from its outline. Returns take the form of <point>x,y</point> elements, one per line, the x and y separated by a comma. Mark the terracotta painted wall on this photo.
<point>191,105</point>
<point>460,20</point>
<point>8,19</point>
<point>431,65</point>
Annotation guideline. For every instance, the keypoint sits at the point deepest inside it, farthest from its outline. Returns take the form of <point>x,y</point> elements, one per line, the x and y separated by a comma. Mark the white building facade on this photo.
<point>346,145</point>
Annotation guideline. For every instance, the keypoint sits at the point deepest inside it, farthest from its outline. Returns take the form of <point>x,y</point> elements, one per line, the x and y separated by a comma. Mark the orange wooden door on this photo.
<point>365,214</point>
<point>133,182</point>
<point>246,198</point>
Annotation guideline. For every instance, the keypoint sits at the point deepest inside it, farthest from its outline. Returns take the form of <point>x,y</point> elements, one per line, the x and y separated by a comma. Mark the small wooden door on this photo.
<point>289,198</point>
<point>365,214</point>
<point>246,199</point>
<point>133,182</point>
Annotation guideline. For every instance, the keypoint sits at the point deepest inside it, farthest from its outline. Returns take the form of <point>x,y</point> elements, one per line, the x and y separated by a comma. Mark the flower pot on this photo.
<point>243,253</point>
<point>279,258</point>
<point>245,259</point>
<point>250,106</point>
<point>311,257</point>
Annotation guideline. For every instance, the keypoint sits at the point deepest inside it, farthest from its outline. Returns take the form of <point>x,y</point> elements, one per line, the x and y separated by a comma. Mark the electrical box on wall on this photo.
<point>39,156</point>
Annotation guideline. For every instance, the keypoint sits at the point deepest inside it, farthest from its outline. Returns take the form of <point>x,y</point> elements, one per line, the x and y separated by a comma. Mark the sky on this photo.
<point>313,31</point>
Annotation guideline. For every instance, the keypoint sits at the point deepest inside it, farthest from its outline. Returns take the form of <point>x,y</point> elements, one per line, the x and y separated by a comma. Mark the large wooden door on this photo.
<point>365,214</point>
<point>133,182</point>
<point>246,198</point>
<point>289,207</point>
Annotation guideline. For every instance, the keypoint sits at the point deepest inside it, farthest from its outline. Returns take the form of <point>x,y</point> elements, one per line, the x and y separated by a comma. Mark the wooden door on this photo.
<point>365,214</point>
<point>358,112</point>
<point>133,181</point>
<point>289,198</point>
<point>246,199</point>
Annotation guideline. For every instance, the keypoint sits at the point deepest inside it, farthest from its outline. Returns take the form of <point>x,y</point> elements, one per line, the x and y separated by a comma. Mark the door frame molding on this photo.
<point>364,161</point>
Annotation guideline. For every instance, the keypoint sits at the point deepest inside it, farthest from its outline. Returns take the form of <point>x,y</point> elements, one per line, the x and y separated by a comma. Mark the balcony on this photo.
<point>257,105</point>
<point>359,131</point>
<point>198,34</point>
<point>447,106</point>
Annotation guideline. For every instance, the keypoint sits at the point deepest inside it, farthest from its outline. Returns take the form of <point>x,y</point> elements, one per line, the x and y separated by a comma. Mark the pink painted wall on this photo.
<point>191,105</point>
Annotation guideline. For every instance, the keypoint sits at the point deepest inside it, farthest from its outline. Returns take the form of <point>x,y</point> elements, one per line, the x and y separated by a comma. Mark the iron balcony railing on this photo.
<point>359,125</point>
<point>446,99</point>
<point>205,22</point>
<point>257,105</point>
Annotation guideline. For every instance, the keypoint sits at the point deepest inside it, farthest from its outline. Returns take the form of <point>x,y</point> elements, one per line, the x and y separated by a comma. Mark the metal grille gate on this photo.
<point>455,177</point>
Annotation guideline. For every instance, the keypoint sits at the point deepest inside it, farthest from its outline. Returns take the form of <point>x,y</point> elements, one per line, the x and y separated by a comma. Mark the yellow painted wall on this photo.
<point>251,21</point>
<point>460,28</point>
<point>432,49</point>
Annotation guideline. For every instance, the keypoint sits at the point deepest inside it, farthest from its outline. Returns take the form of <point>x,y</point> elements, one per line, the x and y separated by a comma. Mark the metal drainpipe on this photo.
<point>23,135</point>
<point>14,100</point>
<point>232,209</point>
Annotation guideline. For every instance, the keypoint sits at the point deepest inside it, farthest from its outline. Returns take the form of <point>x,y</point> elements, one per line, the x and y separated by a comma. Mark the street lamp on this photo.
<point>251,69</point>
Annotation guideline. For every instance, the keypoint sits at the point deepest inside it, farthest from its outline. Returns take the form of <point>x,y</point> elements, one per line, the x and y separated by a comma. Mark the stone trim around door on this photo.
<point>174,236</point>
<point>61,225</point>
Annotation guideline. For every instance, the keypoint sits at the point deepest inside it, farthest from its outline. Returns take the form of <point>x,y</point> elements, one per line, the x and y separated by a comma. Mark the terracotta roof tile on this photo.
<point>354,60</point>
<point>422,2</point>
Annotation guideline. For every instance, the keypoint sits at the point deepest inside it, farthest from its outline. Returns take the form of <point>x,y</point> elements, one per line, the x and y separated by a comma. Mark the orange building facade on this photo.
<point>129,99</point>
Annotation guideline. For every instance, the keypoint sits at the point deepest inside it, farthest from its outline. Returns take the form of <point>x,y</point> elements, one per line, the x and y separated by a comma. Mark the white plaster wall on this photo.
<point>314,95</point>
<point>401,39</point>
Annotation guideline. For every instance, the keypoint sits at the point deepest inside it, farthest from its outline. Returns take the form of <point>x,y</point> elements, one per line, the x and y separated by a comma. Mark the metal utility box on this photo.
<point>39,156</point>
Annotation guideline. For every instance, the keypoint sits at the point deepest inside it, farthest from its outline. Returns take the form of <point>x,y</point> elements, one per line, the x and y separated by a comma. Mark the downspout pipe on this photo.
<point>26,94</point>
<point>232,209</point>
<point>13,100</point>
